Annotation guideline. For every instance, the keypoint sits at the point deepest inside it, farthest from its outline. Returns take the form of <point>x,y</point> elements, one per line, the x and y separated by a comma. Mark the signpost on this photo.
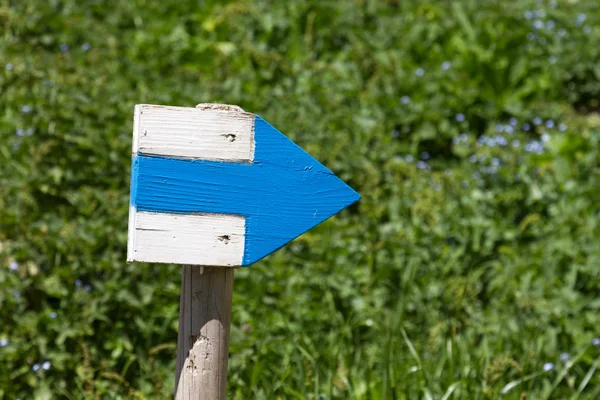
<point>217,187</point>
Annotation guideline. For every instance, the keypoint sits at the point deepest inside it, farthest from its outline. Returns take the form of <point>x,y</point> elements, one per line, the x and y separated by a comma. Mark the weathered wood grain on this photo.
<point>195,133</point>
<point>203,343</point>
<point>201,239</point>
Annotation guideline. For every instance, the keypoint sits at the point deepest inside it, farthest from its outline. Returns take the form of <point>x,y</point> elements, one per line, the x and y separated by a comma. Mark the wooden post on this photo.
<point>203,343</point>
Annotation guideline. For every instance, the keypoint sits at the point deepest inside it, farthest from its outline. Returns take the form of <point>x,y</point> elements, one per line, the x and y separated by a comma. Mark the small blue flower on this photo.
<point>496,162</point>
<point>509,129</point>
<point>13,265</point>
<point>420,72</point>
<point>564,357</point>
<point>548,367</point>
<point>528,14</point>
<point>64,47</point>
<point>549,124</point>
<point>425,155</point>
<point>534,147</point>
<point>422,165</point>
<point>501,140</point>
<point>596,341</point>
<point>513,121</point>
<point>562,127</point>
<point>486,140</point>
<point>4,342</point>
<point>26,109</point>
<point>46,365</point>
<point>88,288</point>
<point>473,158</point>
<point>78,282</point>
<point>9,67</point>
<point>395,133</point>
<point>537,121</point>
<point>86,46</point>
<point>516,143</point>
<point>53,315</point>
<point>20,132</point>
<point>35,367</point>
<point>500,128</point>
<point>545,137</point>
<point>526,127</point>
<point>409,158</point>
<point>476,175</point>
<point>405,99</point>
<point>538,24</point>
<point>460,117</point>
<point>446,65</point>
<point>552,60</point>
<point>581,18</point>
<point>462,138</point>
<point>550,24</point>
<point>17,294</point>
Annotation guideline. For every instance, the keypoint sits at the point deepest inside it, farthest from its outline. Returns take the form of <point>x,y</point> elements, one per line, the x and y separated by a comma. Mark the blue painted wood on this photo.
<point>282,194</point>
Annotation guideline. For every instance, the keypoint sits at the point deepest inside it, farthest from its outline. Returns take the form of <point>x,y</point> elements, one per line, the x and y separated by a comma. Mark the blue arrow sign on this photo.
<point>282,193</point>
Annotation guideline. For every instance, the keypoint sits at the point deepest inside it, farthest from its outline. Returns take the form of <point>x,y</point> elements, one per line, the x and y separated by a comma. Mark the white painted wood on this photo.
<point>199,239</point>
<point>131,234</point>
<point>136,130</point>
<point>199,133</point>
<point>204,324</point>
<point>132,211</point>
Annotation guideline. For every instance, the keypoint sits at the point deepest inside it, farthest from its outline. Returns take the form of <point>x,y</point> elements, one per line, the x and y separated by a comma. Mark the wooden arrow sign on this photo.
<point>216,186</point>
<point>221,187</point>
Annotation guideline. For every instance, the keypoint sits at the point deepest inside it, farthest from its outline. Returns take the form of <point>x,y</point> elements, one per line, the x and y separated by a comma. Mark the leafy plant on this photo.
<point>468,270</point>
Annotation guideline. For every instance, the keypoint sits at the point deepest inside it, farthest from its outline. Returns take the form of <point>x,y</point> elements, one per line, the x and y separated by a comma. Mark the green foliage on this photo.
<point>469,127</point>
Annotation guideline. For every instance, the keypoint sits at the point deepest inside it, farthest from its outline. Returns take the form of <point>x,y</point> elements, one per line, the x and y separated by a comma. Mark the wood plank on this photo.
<point>195,133</point>
<point>200,239</point>
<point>132,184</point>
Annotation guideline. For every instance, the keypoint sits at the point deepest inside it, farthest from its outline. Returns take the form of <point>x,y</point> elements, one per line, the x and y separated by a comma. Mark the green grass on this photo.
<point>469,127</point>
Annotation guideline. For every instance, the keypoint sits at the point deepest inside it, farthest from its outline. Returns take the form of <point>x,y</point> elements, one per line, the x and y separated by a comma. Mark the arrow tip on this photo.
<point>301,194</point>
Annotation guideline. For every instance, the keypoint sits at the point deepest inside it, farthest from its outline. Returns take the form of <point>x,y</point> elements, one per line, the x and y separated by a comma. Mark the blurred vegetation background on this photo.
<point>469,270</point>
